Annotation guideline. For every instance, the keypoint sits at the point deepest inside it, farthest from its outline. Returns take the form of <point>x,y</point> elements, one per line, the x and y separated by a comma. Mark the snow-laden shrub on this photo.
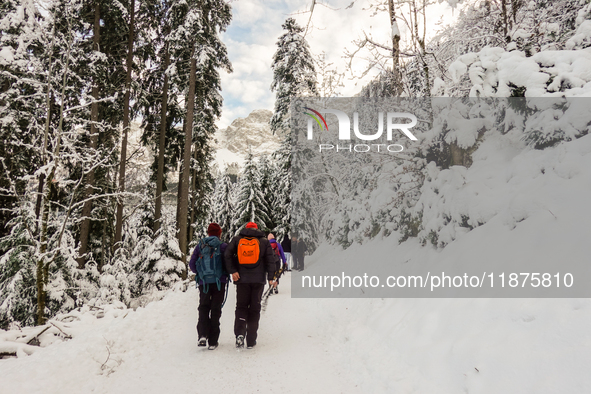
<point>496,72</point>
<point>114,281</point>
<point>18,292</point>
<point>68,286</point>
<point>556,121</point>
<point>582,37</point>
<point>159,264</point>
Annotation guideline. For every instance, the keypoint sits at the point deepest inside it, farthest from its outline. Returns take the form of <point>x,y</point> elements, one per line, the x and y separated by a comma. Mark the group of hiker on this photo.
<point>294,251</point>
<point>250,260</point>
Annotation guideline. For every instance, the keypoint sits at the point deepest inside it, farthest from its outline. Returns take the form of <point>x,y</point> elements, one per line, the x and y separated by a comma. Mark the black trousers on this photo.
<point>277,268</point>
<point>298,261</point>
<point>248,310</point>
<point>210,311</point>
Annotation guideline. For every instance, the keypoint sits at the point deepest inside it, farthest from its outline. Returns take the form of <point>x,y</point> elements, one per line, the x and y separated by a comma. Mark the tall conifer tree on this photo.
<point>293,73</point>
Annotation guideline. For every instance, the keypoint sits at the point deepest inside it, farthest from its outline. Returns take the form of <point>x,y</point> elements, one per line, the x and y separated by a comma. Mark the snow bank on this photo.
<point>494,72</point>
<point>520,205</point>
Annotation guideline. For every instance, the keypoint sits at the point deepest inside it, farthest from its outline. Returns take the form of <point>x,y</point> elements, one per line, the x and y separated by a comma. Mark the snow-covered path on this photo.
<point>328,346</point>
<point>154,350</point>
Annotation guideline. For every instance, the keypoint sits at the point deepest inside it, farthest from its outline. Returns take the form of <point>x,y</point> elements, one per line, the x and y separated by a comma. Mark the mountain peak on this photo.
<point>253,131</point>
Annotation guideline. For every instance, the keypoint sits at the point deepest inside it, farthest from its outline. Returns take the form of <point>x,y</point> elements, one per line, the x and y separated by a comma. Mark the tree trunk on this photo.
<point>516,5</point>
<point>504,13</point>
<point>48,104</point>
<point>119,225</point>
<point>193,196</point>
<point>42,266</point>
<point>395,36</point>
<point>425,64</point>
<point>178,192</point>
<point>87,208</point>
<point>161,147</point>
<point>38,202</point>
<point>184,188</point>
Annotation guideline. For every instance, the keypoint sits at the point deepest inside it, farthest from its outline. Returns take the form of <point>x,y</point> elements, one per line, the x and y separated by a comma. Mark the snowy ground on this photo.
<point>154,350</point>
<point>323,346</point>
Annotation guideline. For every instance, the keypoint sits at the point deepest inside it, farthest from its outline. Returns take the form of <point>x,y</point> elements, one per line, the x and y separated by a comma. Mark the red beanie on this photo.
<point>214,229</point>
<point>251,225</point>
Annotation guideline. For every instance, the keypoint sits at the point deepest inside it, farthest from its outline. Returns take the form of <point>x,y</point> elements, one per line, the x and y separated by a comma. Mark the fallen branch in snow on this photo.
<point>24,342</point>
<point>36,337</point>
<point>108,356</point>
<point>16,349</point>
<point>67,336</point>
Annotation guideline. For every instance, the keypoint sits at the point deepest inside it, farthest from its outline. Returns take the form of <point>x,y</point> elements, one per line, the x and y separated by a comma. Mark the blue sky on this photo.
<point>256,25</point>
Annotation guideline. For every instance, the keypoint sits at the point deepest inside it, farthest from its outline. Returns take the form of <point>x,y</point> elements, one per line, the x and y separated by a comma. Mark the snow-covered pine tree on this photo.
<point>126,122</point>
<point>54,270</point>
<point>115,280</point>
<point>282,208</point>
<point>250,200</point>
<point>304,224</point>
<point>197,40</point>
<point>18,293</point>
<point>22,98</point>
<point>162,83</point>
<point>65,286</point>
<point>138,238</point>
<point>233,171</point>
<point>282,187</point>
<point>159,264</point>
<point>102,35</point>
<point>223,205</point>
<point>268,188</point>
<point>201,210</point>
<point>293,73</point>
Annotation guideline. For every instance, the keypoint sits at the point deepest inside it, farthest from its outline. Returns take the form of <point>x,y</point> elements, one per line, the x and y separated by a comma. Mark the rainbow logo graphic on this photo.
<point>316,118</point>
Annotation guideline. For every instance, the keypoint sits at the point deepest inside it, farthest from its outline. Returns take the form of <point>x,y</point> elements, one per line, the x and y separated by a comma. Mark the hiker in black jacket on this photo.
<point>299,251</point>
<point>249,274</point>
<point>286,245</point>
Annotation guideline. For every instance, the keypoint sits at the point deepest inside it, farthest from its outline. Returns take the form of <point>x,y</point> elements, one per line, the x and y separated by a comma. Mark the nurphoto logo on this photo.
<point>345,130</point>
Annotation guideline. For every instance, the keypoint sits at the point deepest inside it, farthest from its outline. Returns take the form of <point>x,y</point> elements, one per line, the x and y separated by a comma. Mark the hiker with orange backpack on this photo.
<point>280,259</point>
<point>249,258</point>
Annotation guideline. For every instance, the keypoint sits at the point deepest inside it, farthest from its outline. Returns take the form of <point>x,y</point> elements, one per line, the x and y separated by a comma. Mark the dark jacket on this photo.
<point>195,257</point>
<point>299,249</point>
<point>266,263</point>
<point>286,244</point>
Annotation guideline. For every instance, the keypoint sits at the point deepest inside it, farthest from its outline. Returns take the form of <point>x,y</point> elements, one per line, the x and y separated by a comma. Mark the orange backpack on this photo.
<point>248,251</point>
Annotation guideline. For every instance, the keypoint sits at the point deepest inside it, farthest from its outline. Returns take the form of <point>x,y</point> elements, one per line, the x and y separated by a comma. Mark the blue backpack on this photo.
<point>209,264</point>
